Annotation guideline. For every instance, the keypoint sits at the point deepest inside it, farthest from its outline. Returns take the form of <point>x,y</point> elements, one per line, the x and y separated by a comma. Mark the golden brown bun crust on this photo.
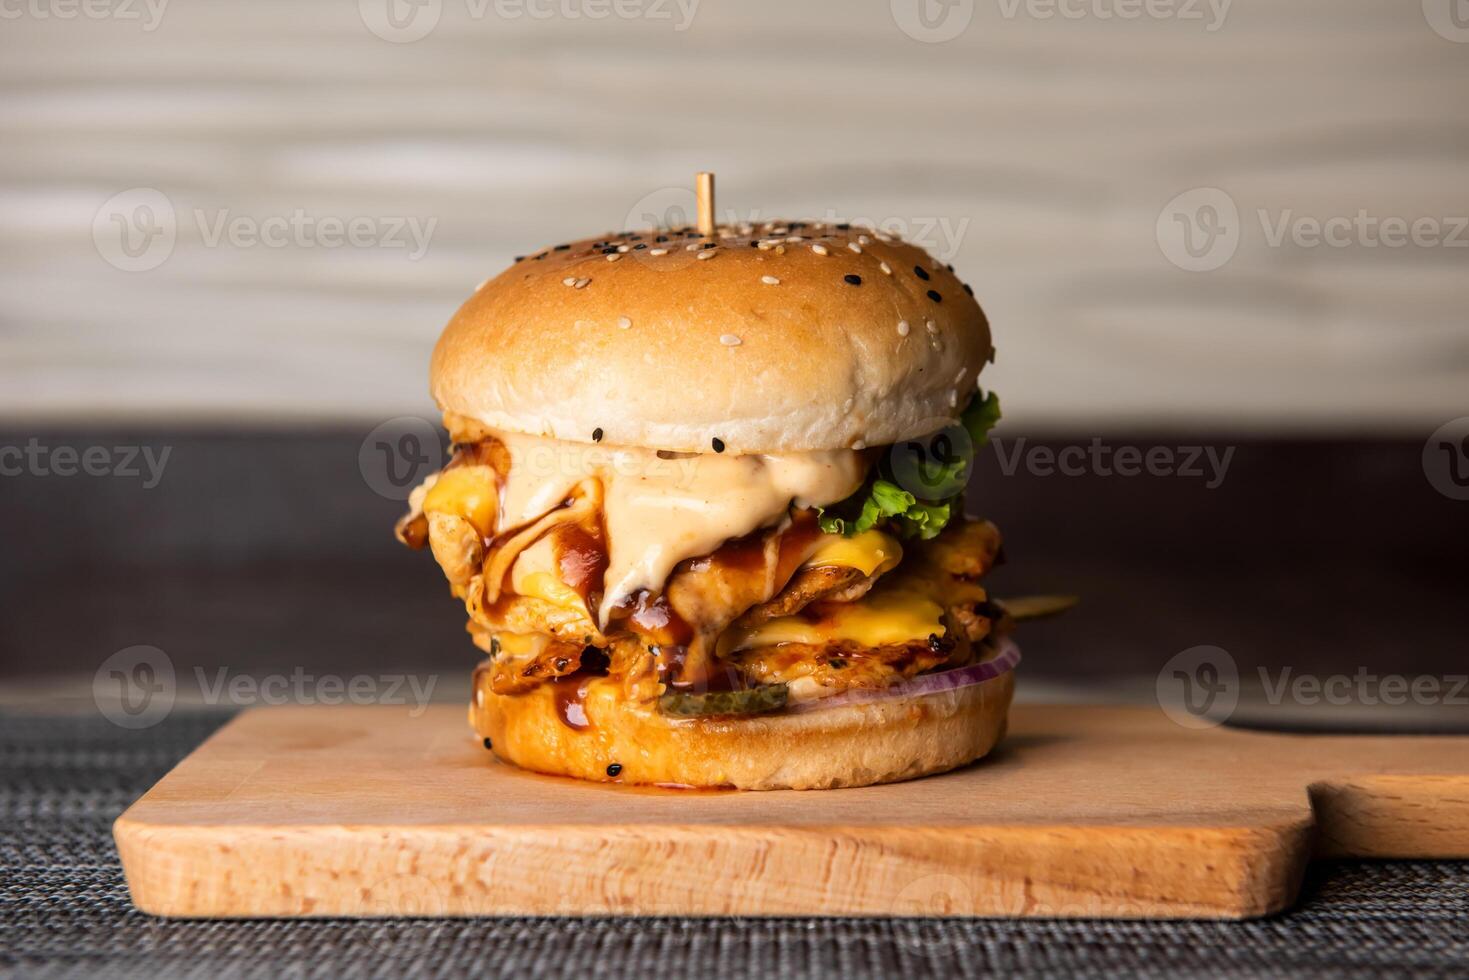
<point>855,745</point>
<point>671,352</point>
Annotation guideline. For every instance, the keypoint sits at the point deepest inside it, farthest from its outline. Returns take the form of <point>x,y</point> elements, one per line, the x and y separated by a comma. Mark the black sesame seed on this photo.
<point>661,238</point>
<point>754,244</point>
<point>520,258</point>
<point>639,245</point>
<point>718,445</point>
<point>934,295</point>
<point>609,249</point>
<point>920,272</point>
<point>968,289</point>
<point>487,744</point>
<point>852,279</point>
<point>843,226</point>
<point>542,255</point>
<point>561,663</point>
<point>560,248</point>
<point>614,769</point>
<point>597,434</point>
<point>950,267</point>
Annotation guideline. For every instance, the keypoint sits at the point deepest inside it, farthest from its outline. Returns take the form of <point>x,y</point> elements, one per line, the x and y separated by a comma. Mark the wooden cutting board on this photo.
<point>1083,811</point>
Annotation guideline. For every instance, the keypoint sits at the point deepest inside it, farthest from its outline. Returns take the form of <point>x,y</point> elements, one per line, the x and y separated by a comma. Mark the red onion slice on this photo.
<point>924,684</point>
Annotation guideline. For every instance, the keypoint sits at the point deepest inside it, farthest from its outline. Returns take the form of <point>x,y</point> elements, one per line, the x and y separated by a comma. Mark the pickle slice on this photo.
<point>751,701</point>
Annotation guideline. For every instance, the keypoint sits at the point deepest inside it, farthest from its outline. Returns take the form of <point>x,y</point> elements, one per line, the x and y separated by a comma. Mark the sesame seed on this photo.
<point>597,434</point>
<point>953,399</point>
<point>614,256</point>
<point>488,744</point>
<point>624,248</point>
<point>481,285</point>
<point>718,444</point>
<point>863,240</point>
<point>730,340</point>
<point>569,281</point>
<point>930,326</point>
<point>887,270</point>
<point>692,247</point>
<point>934,295</point>
<point>902,328</point>
<point>609,248</point>
<point>561,248</point>
<point>614,769</point>
<point>855,247</point>
<point>770,280</point>
<point>624,322</point>
<point>520,258</point>
<point>968,289</point>
<point>820,249</point>
<point>780,250</point>
<point>960,376</point>
<point>582,282</point>
<point>707,254</point>
<point>794,238</point>
<point>859,444</point>
<point>657,251</point>
<point>852,280</point>
<point>920,272</point>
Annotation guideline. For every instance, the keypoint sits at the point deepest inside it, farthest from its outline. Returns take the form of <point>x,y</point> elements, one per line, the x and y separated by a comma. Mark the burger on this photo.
<point>704,509</point>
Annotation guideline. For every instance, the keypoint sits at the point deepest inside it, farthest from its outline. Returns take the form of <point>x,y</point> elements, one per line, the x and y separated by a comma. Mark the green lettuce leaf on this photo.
<point>882,503</point>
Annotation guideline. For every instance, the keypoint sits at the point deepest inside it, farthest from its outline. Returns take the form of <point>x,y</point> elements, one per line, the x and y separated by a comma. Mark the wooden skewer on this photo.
<point>704,192</point>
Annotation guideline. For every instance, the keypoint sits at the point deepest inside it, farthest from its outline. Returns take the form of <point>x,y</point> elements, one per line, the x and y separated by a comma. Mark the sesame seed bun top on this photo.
<point>779,337</point>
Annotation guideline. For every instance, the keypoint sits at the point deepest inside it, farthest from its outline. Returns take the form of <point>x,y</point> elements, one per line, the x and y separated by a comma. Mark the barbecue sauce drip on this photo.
<point>581,560</point>
<point>570,697</point>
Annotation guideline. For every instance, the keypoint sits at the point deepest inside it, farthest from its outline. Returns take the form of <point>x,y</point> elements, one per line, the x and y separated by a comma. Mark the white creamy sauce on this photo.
<point>659,512</point>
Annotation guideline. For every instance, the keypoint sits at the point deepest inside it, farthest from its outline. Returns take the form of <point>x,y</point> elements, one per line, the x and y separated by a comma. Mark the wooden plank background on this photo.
<point>1036,153</point>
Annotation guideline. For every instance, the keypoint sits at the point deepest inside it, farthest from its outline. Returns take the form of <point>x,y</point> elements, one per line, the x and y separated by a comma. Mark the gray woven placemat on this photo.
<point>64,910</point>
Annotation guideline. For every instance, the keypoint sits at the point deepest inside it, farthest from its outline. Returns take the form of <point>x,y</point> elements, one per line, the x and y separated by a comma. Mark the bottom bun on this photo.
<point>582,728</point>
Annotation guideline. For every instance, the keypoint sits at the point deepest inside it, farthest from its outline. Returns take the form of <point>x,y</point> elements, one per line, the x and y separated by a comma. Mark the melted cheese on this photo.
<point>469,492</point>
<point>880,618</point>
<point>534,574</point>
<point>658,512</point>
<point>871,552</point>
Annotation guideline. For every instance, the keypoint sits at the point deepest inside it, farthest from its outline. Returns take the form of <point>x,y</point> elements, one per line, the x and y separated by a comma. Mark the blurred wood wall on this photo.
<point>1036,153</point>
